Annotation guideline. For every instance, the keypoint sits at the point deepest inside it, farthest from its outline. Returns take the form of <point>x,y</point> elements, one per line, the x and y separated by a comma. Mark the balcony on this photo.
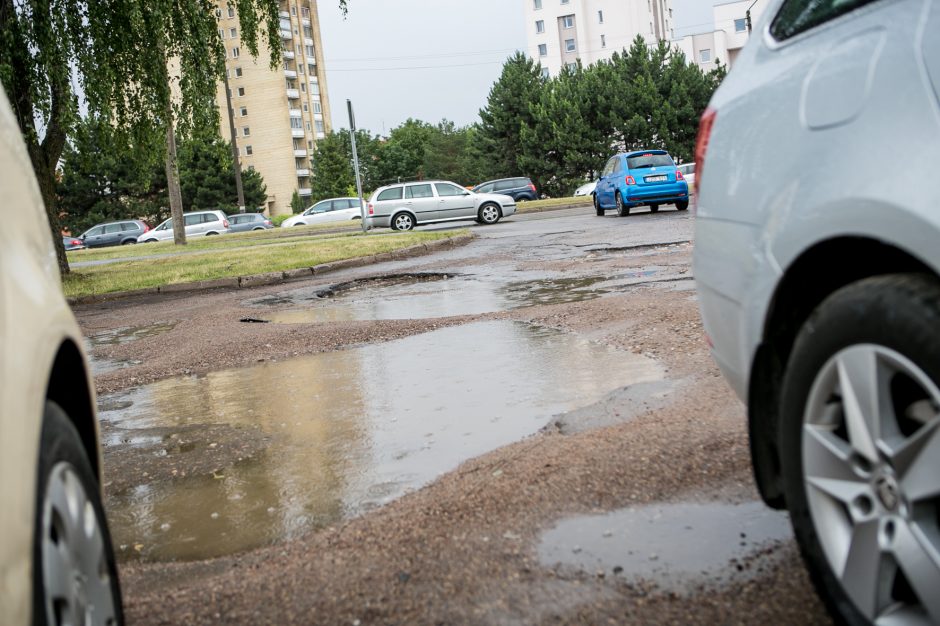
<point>305,21</point>
<point>302,172</point>
<point>288,54</point>
<point>308,41</point>
<point>286,35</point>
<point>293,94</point>
<point>284,15</point>
<point>295,112</point>
<point>304,192</point>
<point>297,132</point>
<point>300,154</point>
<point>290,73</point>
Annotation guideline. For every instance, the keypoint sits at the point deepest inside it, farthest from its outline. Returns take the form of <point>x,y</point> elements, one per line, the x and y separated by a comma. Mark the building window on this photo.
<point>543,50</point>
<point>568,21</point>
<point>308,32</point>
<point>305,13</point>
<point>603,41</point>
<point>244,111</point>
<point>545,72</point>
<point>740,25</point>
<point>572,67</point>
<point>238,72</point>
<point>248,150</point>
<point>231,11</point>
<point>251,168</point>
<point>241,92</point>
<point>536,4</point>
<point>300,68</point>
<point>564,1</point>
<point>308,125</point>
<point>317,107</point>
<point>314,87</point>
<point>569,45</point>
<point>293,11</point>
<point>540,26</point>
<point>310,51</point>
<point>235,52</point>
<point>246,132</point>
<point>295,122</point>
<point>310,144</point>
<point>600,17</point>
<point>320,127</point>
<point>221,33</point>
<point>303,87</point>
<point>218,14</point>
<point>305,107</point>
<point>705,55</point>
<point>233,33</point>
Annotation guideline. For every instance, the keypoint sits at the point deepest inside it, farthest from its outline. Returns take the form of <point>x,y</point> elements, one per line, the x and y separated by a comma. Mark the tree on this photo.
<point>297,204</point>
<point>332,172</point>
<point>118,54</point>
<point>207,176</point>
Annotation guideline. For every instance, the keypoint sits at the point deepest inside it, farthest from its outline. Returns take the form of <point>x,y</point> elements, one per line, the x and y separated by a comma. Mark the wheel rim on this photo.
<point>403,222</point>
<point>871,448</point>
<point>490,214</point>
<point>75,572</point>
<point>619,204</point>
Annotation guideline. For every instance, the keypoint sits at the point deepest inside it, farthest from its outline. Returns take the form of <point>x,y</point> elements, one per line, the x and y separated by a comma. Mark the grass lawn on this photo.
<point>229,256</point>
<point>552,203</point>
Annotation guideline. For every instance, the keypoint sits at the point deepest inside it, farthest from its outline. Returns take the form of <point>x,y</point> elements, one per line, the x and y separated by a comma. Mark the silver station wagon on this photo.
<point>404,206</point>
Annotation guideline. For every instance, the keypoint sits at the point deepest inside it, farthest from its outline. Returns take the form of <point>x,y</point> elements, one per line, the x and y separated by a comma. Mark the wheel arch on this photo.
<point>401,210</point>
<point>69,388</point>
<point>816,273</point>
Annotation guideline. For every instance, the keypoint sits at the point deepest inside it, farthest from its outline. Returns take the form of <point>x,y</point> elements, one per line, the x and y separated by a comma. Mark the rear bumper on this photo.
<point>660,194</point>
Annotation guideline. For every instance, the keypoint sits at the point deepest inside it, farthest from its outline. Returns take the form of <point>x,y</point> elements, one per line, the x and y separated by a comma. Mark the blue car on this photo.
<point>644,178</point>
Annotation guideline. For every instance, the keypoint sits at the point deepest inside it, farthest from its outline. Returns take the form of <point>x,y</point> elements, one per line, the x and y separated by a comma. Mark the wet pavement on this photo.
<point>343,432</point>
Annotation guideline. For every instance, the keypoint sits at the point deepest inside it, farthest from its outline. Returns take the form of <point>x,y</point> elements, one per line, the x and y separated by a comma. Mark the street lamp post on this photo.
<point>352,137</point>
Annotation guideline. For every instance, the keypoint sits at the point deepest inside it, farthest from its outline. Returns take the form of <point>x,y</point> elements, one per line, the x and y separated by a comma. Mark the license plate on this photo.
<point>655,179</point>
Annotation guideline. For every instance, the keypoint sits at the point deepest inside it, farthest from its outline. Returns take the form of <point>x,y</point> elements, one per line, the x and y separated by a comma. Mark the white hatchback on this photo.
<point>817,259</point>
<point>198,224</point>
<point>326,212</point>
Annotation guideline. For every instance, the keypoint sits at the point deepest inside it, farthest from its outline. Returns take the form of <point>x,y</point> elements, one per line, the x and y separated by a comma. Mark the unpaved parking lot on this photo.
<point>610,483</point>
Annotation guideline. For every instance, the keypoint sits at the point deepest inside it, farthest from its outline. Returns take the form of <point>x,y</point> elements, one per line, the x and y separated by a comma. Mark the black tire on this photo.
<point>299,224</point>
<point>128,242</point>
<point>682,205</point>
<point>211,234</point>
<point>402,221</point>
<point>887,315</point>
<point>597,206</point>
<point>489,213</point>
<point>622,209</point>
<point>654,208</point>
<point>258,228</point>
<point>62,455</point>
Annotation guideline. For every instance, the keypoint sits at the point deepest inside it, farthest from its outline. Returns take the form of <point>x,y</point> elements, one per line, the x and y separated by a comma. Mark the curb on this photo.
<point>274,278</point>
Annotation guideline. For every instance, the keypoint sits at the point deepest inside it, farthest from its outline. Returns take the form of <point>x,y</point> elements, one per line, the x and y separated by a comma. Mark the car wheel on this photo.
<point>128,242</point>
<point>403,222</point>
<point>300,224</point>
<point>860,448</point>
<point>597,207</point>
<point>75,578</point>
<point>488,214</point>
<point>211,234</point>
<point>654,208</point>
<point>682,205</point>
<point>622,209</point>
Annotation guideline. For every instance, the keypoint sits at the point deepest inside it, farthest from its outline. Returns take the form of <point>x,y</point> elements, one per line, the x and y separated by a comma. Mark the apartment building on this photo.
<point>563,32</point>
<point>728,35</point>
<point>278,115</point>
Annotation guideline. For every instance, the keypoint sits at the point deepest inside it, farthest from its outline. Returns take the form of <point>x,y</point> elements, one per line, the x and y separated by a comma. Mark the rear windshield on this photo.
<point>390,194</point>
<point>649,160</point>
<point>796,16</point>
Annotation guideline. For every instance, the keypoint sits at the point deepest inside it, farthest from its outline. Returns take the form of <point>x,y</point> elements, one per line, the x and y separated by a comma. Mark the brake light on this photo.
<point>371,209</point>
<point>679,175</point>
<point>268,223</point>
<point>630,180</point>
<point>146,228</point>
<point>532,187</point>
<point>224,223</point>
<point>75,242</point>
<point>701,143</point>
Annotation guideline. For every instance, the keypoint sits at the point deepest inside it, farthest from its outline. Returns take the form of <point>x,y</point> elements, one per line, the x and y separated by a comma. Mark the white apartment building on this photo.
<point>729,34</point>
<point>563,32</point>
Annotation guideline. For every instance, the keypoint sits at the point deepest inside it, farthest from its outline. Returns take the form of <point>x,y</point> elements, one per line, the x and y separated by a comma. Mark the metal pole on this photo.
<point>231,128</point>
<point>352,137</point>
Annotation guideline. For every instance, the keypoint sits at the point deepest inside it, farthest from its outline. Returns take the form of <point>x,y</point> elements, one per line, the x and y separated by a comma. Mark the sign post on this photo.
<point>352,137</point>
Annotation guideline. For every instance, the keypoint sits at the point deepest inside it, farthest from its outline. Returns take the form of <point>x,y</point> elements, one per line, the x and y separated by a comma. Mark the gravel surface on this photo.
<point>463,550</point>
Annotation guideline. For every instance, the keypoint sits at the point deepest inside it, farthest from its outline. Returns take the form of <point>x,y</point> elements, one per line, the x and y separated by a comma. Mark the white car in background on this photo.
<point>817,260</point>
<point>56,561</point>
<point>688,171</point>
<point>326,212</point>
<point>586,189</point>
<point>197,224</point>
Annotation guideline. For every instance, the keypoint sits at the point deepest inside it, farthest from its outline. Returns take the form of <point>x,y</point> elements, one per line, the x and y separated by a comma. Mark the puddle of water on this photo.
<point>675,546</point>
<point>348,431</point>
<point>128,334</point>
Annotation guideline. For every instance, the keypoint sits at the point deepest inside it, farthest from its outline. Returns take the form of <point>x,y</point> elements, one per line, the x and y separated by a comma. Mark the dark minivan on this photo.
<point>516,188</point>
<point>114,234</point>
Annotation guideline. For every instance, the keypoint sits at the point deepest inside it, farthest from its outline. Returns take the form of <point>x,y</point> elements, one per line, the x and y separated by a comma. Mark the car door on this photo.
<point>605,188</point>
<point>93,237</point>
<point>454,201</point>
<point>421,200</point>
<point>193,224</point>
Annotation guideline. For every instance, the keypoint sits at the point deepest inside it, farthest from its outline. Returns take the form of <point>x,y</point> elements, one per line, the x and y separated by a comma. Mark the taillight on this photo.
<point>224,223</point>
<point>268,223</point>
<point>679,175</point>
<point>532,187</point>
<point>146,228</point>
<point>75,242</point>
<point>701,144</point>
<point>630,180</point>
<point>371,209</point>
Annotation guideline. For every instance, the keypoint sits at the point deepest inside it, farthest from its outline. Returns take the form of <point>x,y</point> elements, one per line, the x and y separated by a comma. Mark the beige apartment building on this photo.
<point>278,115</point>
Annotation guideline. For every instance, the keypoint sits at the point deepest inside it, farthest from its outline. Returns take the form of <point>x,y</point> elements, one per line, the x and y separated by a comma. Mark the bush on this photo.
<point>279,219</point>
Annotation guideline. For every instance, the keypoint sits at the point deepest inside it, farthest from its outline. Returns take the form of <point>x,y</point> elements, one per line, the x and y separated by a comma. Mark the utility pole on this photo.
<point>352,137</point>
<point>231,128</point>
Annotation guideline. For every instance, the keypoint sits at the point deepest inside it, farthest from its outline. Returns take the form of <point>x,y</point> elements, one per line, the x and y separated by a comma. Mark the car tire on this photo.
<point>865,506</point>
<point>71,531</point>
<point>128,242</point>
<point>258,228</point>
<point>403,222</point>
<point>622,209</point>
<point>489,213</point>
<point>654,208</point>
<point>299,224</point>
<point>597,206</point>
<point>211,234</point>
<point>682,205</point>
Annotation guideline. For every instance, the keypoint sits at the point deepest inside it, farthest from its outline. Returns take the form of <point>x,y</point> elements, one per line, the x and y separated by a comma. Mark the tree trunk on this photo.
<point>173,182</point>
<point>231,127</point>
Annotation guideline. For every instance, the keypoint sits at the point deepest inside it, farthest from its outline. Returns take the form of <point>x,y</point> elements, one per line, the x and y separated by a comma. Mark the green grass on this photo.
<point>235,259</point>
<point>552,203</point>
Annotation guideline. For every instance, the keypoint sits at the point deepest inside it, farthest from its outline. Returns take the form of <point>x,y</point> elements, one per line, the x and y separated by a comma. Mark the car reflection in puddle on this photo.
<point>675,546</point>
<point>350,430</point>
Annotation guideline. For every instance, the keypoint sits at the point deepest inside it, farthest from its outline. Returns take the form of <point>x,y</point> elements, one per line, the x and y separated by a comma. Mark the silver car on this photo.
<point>818,265</point>
<point>198,224</point>
<point>404,206</point>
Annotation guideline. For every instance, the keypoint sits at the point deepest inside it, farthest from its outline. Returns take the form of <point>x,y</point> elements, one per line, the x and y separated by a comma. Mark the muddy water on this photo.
<point>342,432</point>
<point>119,336</point>
<point>676,546</point>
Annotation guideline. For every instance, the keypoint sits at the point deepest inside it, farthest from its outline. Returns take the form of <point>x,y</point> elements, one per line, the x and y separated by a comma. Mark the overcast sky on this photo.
<point>431,60</point>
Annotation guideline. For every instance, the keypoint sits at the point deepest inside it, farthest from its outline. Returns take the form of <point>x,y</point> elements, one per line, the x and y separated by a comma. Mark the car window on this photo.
<point>487,188</point>
<point>237,219</point>
<point>522,182</point>
<point>210,217</point>
<point>190,220</point>
<point>167,225</point>
<point>129,226</point>
<point>419,191</point>
<point>112,228</point>
<point>504,185</point>
<point>609,168</point>
<point>391,194</point>
<point>447,189</point>
<point>617,166</point>
<point>94,232</point>
<point>642,161</point>
<point>797,16</point>
<point>352,203</point>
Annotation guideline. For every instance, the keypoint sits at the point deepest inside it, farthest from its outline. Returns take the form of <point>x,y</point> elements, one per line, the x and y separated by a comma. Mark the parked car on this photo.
<point>197,224</point>
<point>820,288</point>
<point>586,189</point>
<point>56,558</point>
<point>643,178</point>
<point>404,206</point>
<point>73,243</point>
<point>114,234</point>
<point>688,172</point>
<point>243,222</point>
<point>516,188</point>
<point>326,211</point>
